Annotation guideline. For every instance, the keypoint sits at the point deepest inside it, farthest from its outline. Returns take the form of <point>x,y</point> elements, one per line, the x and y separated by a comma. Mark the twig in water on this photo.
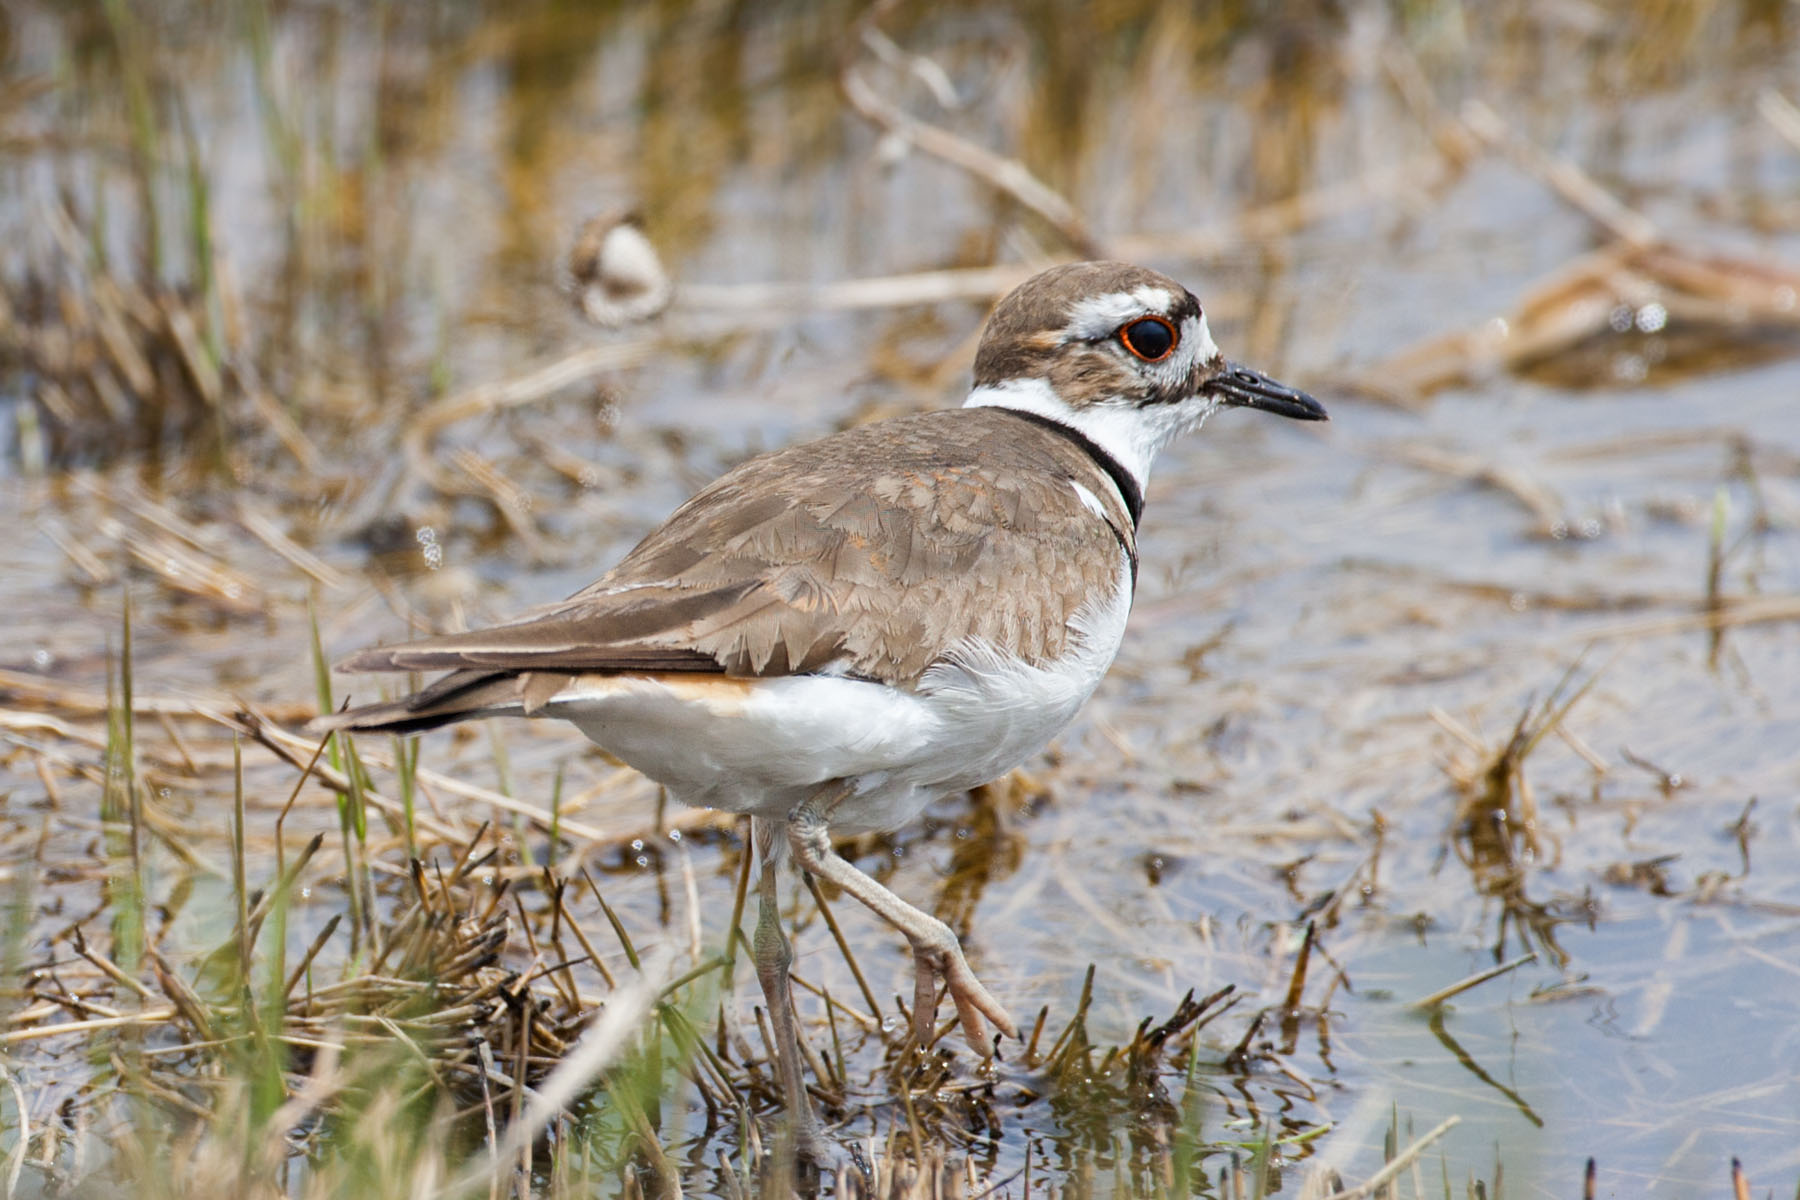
<point>1008,176</point>
<point>1780,113</point>
<point>1462,985</point>
<point>1297,983</point>
<point>16,1163</point>
<point>1561,176</point>
<point>843,945</point>
<point>1398,1164</point>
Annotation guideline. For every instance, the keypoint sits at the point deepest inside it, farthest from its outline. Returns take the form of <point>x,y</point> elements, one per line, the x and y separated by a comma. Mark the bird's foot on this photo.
<point>938,955</point>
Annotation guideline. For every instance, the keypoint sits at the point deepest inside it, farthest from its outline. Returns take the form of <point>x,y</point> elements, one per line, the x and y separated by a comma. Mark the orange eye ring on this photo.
<point>1149,338</point>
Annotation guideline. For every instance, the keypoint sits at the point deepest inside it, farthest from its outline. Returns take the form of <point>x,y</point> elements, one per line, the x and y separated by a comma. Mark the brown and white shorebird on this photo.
<point>831,636</point>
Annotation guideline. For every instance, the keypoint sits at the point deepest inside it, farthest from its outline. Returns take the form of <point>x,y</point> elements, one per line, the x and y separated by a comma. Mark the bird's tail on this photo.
<point>459,696</point>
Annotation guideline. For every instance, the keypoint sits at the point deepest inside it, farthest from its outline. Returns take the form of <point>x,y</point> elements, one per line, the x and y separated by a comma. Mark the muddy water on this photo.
<point>1335,625</point>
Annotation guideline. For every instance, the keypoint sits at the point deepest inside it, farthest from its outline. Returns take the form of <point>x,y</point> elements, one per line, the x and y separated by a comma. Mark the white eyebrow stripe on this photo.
<point>1199,339</point>
<point>1098,316</point>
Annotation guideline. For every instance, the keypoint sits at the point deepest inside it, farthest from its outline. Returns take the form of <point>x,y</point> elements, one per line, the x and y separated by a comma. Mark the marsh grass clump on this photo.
<point>324,1013</point>
<point>383,1068</point>
<point>343,989</point>
<point>112,366</point>
<point>1497,832</point>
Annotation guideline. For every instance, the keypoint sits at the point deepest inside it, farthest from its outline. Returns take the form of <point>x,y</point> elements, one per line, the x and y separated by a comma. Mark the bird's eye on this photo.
<point>1150,338</point>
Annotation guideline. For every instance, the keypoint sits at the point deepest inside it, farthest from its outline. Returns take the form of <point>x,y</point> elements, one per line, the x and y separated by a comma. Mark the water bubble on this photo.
<point>305,892</point>
<point>1630,368</point>
<point>674,835</point>
<point>637,844</point>
<point>891,149</point>
<point>642,860</point>
<point>1560,531</point>
<point>42,658</point>
<point>1517,602</point>
<point>1620,319</point>
<point>430,546</point>
<point>1590,528</point>
<point>1652,318</point>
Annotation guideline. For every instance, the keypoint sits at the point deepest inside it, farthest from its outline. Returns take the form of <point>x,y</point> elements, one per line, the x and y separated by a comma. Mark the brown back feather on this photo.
<point>874,551</point>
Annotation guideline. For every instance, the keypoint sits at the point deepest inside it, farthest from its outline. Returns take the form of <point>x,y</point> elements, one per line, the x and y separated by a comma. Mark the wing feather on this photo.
<point>875,552</point>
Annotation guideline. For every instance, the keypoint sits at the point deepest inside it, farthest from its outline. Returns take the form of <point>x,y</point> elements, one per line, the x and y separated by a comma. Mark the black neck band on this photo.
<point>1129,491</point>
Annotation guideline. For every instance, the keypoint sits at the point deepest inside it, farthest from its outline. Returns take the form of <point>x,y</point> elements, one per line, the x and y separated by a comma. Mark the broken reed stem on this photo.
<point>299,783</point>
<point>1426,1003</point>
<point>1008,176</point>
<point>1563,177</point>
<point>737,901</point>
<point>16,1163</point>
<point>1297,984</point>
<point>1037,1031</point>
<point>1076,1023</point>
<point>283,885</point>
<point>843,945</point>
<point>312,951</point>
<point>1239,1058</point>
<point>109,968</point>
<point>1397,1164</point>
<point>631,954</point>
<point>239,882</point>
<point>587,947</point>
<point>146,1018</point>
<point>861,1018</point>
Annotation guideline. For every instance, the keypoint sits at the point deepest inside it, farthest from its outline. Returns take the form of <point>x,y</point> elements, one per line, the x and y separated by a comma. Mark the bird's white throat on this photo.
<point>1132,434</point>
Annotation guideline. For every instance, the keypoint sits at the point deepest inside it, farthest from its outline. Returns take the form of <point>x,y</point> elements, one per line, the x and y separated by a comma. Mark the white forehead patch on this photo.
<point>1098,316</point>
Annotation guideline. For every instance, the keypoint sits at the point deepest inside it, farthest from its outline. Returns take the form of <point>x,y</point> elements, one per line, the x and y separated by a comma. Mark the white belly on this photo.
<point>763,746</point>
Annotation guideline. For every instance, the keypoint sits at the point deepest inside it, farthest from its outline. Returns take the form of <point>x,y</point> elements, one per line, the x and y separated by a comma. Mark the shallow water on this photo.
<point>388,197</point>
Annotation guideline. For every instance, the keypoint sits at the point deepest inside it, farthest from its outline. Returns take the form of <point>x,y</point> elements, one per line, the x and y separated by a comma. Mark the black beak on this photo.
<point>1240,387</point>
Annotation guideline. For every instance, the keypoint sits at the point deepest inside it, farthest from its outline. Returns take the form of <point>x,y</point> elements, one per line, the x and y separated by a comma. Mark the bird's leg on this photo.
<point>774,955</point>
<point>936,952</point>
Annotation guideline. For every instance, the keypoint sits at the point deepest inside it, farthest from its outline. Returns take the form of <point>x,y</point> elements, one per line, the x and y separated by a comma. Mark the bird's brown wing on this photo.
<point>873,552</point>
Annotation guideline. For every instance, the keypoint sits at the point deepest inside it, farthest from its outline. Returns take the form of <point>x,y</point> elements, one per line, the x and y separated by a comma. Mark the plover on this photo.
<point>833,635</point>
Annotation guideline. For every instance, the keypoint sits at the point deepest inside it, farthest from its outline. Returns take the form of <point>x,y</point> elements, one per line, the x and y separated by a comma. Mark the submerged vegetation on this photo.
<point>286,366</point>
